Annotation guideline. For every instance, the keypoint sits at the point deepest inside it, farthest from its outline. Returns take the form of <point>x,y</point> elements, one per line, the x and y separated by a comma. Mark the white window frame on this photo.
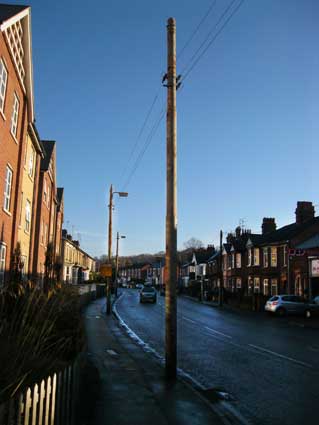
<point>3,84</point>
<point>256,257</point>
<point>273,256</point>
<point>24,259</point>
<point>274,284</point>
<point>232,260</point>
<point>31,162</point>
<point>7,189</point>
<point>249,257</point>
<point>256,285</point>
<point>3,251</point>
<point>266,285</point>
<point>27,224</point>
<point>15,116</point>
<point>265,257</point>
<point>238,282</point>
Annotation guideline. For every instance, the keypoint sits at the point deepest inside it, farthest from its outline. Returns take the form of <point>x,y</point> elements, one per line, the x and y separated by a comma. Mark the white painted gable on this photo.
<point>17,33</point>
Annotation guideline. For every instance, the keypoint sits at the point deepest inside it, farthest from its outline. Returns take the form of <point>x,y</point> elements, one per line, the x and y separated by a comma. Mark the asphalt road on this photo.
<point>269,366</point>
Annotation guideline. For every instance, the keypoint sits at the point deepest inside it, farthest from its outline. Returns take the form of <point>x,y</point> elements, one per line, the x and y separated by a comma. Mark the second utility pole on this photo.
<point>171,207</point>
<point>109,254</point>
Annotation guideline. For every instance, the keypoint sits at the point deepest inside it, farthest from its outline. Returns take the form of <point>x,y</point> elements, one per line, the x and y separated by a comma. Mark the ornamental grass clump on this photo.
<point>39,333</point>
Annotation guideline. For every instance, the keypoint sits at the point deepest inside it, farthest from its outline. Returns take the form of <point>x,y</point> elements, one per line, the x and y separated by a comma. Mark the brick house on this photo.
<point>268,263</point>
<point>46,209</point>
<point>16,112</point>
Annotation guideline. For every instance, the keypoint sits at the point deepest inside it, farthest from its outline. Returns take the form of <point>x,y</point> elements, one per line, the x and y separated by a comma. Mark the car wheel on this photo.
<point>281,312</point>
<point>307,314</point>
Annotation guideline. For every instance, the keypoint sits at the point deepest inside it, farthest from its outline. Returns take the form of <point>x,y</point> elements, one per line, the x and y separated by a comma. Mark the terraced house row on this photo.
<point>31,205</point>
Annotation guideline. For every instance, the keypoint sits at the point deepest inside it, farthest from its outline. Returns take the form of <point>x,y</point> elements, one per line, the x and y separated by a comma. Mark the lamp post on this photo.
<point>117,259</point>
<point>108,286</point>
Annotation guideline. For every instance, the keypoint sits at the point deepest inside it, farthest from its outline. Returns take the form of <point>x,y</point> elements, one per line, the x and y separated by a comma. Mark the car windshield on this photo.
<point>148,289</point>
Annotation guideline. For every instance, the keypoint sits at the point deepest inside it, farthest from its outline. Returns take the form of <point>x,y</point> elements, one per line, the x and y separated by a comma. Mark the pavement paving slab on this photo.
<point>132,389</point>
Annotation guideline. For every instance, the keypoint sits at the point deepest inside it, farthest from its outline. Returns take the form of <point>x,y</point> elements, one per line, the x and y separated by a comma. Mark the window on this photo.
<point>45,191</point>
<point>233,260</point>
<point>265,257</point>
<point>7,189</point>
<point>250,285</point>
<point>256,257</point>
<point>31,162</point>
<point>48,195</point>
<point>273,257</point>
<point>27,216</point>
<point>274,287</point>
<point>266,287</point>
<point>14,117</point>
<point>285,254</point>
<point>3,84</point>
<point>24,260</point>
<point>238,260</point>
<point>2,262</point>
<point>21,206</point>
<point>238,283</point>
<point>249,257</point>
<point>256,285</point>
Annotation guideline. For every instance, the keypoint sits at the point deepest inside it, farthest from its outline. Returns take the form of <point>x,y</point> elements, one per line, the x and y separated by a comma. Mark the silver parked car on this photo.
<point>148,294</point>
<point>291,304</point>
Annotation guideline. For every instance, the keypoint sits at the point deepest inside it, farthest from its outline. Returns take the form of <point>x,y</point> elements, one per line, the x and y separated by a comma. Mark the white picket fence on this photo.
<point>50,402</point>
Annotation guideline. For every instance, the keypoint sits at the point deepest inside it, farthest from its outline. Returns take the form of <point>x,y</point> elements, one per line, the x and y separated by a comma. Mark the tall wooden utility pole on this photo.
<point>171,206</point>
<point>109,254</point>
<point>221,277</point>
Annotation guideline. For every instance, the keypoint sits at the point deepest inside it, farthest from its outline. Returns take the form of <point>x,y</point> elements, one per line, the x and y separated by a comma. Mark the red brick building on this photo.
<point>16,111</point>
<point>46,209</point>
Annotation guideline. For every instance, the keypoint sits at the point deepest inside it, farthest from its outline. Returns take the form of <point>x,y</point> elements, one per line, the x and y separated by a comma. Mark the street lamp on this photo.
<point>108,289</point>
<point>117,259</point>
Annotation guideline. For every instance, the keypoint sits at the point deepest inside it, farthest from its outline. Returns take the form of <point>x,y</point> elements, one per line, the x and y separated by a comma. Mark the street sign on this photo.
<point>106,270</point>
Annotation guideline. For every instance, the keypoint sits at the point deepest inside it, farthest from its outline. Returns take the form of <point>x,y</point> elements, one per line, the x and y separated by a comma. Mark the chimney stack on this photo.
<point>268,226</point>
<point>305,211</point>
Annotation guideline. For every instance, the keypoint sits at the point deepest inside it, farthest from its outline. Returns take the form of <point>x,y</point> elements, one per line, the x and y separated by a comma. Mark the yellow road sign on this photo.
<point>106,270</point>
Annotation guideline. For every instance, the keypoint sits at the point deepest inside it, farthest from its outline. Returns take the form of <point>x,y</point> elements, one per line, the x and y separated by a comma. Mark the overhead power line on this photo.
<point>211,7</point>
<point>140,134</point>
<point>146,145</point>
<point>195,59</point>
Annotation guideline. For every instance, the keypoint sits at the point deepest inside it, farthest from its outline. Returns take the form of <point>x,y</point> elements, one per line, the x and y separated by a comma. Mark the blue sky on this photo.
<point>247,115</point>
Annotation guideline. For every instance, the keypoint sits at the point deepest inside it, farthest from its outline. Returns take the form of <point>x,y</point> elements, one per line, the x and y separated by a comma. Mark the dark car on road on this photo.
<point>148,294</point>
<point>291,304</point>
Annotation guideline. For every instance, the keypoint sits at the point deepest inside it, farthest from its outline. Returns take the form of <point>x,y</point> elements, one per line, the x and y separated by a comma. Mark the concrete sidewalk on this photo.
<point>129,386</point>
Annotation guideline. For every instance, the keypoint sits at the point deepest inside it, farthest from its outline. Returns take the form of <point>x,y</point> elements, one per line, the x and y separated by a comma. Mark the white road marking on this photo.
<point>217,332</point>
<point>281,356</point>
<point>189,320</point>
<point>112,353</point>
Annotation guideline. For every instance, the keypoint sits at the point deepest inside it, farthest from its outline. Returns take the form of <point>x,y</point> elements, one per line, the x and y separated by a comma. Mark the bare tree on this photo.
<point>193,243</point>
